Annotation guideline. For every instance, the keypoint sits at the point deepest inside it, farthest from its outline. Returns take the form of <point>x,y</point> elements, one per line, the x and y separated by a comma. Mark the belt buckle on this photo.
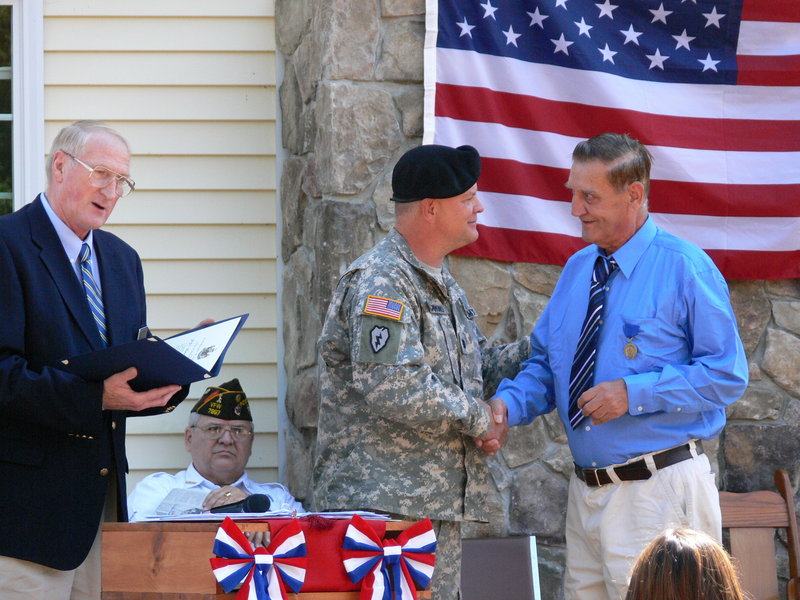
<point>596,474</point>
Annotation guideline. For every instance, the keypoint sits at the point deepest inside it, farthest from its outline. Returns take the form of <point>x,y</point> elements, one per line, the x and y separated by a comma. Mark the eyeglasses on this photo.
<point>214,432</point>
<point>101,176</point>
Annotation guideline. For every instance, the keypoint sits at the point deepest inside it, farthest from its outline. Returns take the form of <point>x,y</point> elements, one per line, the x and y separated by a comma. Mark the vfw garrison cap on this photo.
<point>434,171</point>
<point>227,401</point>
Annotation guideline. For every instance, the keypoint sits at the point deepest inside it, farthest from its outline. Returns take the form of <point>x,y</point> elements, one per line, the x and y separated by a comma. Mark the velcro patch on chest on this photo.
<point>383,307</point>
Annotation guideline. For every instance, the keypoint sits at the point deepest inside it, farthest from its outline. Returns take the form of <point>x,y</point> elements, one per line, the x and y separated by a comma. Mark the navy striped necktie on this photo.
<point>93,294</point>
<point>582,374</point>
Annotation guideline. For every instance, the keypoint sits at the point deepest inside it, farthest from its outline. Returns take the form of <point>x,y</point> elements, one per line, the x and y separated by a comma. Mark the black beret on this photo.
<point>227,402</point>
<point>434,171</point>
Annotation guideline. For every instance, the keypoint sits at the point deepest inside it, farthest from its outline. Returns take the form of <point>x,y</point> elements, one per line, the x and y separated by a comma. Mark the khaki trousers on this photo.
<point>608,526</point>
<point>24,580</point>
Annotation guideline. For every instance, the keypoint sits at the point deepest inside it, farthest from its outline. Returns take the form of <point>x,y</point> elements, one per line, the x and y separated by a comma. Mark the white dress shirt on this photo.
<point>150,491</point>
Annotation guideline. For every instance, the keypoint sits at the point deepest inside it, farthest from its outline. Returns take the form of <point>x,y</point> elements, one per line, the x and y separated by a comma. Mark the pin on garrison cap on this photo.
<point>226,401</point>
<point>435,171</point>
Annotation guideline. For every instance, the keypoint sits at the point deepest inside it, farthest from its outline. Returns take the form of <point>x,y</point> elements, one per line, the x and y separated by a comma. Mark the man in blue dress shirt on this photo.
<point>668,360</point>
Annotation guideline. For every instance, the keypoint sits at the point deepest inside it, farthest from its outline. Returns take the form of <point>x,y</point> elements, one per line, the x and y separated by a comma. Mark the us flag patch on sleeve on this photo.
<point>383,307</point>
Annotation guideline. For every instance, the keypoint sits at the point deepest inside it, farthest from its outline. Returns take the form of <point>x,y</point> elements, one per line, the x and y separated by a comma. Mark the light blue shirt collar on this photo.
<point>69,241</point>
<point>628,256</point>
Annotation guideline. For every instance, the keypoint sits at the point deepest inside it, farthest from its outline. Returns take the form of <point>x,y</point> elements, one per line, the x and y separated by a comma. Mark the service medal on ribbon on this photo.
<point>263,573</point>
<point>631,331</point>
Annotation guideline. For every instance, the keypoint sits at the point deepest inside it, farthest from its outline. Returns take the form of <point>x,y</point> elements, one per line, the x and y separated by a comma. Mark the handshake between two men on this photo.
<point>495,438</point>
<point>600,403</point>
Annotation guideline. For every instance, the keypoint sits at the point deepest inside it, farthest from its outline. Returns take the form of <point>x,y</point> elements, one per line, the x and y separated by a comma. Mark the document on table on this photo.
<point>272,514</point>
<point>180,501</point>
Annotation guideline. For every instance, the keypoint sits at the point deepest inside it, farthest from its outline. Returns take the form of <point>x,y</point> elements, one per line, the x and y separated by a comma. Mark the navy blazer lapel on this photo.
<point>55,261</point>
<point>116,295</point>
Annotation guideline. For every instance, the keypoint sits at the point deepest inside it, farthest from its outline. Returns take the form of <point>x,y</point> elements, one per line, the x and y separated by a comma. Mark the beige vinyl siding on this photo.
<point>191,84</point>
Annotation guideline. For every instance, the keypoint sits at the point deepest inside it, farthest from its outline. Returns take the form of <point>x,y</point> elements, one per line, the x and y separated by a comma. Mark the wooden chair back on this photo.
<point>751,520</point>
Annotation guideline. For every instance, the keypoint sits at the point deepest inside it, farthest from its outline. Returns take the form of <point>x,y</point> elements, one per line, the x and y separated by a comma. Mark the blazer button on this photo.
<point>113,424</point>
<point>103,471</point>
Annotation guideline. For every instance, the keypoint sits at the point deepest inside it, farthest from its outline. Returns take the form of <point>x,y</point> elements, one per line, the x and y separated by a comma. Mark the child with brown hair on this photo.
<point>683,564</point>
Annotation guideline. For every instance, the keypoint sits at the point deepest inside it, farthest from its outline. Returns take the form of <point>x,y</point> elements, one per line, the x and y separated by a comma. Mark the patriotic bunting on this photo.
<point>264,572</point>
<point>389,569</point>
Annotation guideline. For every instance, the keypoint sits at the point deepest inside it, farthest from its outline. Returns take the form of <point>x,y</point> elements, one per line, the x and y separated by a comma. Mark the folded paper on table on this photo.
<point>181,359</point>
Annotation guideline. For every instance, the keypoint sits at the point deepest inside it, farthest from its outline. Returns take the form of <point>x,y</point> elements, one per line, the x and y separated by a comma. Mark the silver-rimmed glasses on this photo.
<point>214,432</point>
<point>101,176</point>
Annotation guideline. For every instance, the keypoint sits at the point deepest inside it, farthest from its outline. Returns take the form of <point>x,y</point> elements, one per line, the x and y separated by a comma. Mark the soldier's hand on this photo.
<point>498,427</point>
<point>605,401</point>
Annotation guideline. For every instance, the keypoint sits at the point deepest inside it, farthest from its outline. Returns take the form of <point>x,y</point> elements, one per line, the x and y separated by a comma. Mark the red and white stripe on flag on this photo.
<point>711,87</point>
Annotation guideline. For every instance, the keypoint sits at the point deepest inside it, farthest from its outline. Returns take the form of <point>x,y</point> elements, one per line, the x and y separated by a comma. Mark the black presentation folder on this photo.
<point>158,362</point>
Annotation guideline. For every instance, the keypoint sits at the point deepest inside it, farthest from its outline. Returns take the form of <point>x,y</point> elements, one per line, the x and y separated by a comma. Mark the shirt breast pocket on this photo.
<point>656,342</point>
<point>442,347</point>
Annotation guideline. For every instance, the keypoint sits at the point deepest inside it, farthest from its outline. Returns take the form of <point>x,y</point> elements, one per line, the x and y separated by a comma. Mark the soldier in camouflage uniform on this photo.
<point>404,368</point>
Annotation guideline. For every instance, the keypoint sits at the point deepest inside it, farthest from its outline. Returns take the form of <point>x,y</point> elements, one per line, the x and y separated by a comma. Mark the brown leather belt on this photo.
<point>637,470</point>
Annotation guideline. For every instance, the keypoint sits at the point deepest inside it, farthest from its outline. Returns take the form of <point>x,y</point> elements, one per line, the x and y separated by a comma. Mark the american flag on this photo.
<point>383,307</point>
<point>712,87</point>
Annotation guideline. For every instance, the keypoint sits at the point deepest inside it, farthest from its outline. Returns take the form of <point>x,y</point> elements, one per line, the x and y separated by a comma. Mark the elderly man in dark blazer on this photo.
<point>66,288</point>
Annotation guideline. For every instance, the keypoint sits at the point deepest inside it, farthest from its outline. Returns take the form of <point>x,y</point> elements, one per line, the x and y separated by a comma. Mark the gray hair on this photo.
<point>73,139</point>
<point>628,159</point>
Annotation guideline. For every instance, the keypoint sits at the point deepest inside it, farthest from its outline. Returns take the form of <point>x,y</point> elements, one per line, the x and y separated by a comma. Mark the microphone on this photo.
<point>256,503</point>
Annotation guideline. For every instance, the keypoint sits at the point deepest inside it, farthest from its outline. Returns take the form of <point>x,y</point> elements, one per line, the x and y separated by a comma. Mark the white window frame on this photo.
<point>27,105</point>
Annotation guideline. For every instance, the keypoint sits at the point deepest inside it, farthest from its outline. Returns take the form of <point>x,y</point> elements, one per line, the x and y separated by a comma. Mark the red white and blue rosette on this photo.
<point>264,573</point>
<point>389,569</point>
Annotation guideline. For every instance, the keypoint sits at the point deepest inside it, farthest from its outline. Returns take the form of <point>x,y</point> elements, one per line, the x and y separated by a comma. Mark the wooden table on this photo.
<point>169,561</point>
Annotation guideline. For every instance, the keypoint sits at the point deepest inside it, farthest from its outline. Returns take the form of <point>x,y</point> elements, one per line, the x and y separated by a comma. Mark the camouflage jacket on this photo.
<point>402,368</point>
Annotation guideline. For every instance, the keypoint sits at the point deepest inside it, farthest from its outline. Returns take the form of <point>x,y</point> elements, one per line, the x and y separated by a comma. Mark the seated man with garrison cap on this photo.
<point>220,439</point>
<point>404,369</point>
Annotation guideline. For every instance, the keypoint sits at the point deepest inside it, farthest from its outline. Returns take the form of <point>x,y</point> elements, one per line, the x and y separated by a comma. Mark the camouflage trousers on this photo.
<point>446,582</point>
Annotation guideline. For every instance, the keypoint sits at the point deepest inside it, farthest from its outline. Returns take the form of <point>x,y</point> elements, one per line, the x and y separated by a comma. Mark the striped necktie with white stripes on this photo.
<point>582,374</point>
<point>93,294</point>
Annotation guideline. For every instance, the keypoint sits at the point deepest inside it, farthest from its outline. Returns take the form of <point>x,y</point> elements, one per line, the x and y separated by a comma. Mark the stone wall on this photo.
<point>351,104</point>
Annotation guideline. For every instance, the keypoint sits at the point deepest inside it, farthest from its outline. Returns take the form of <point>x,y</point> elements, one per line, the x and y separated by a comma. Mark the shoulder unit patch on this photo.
<point>378,337</point>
